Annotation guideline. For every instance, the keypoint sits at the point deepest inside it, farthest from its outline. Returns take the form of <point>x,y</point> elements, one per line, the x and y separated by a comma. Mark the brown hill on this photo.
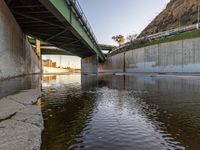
<point>177,13</point>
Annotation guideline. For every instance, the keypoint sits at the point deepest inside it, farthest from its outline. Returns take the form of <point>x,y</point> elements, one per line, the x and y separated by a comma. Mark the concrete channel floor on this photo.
<point>21,121</point>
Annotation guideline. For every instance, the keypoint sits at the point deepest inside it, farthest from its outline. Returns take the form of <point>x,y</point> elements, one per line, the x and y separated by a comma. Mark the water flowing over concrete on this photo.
<point>21,121</point>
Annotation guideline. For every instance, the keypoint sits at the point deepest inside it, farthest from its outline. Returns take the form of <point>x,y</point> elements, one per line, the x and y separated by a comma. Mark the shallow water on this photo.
<point>116,112</point>
<point>121,112</point>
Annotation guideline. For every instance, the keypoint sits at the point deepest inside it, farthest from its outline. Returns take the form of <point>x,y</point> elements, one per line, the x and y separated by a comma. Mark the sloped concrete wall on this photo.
<point>89,65</point>
<point>17,57</point>
<point>174,57</point>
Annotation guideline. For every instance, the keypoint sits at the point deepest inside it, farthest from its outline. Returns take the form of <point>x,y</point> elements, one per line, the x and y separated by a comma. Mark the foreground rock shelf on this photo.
<point>21,121</point>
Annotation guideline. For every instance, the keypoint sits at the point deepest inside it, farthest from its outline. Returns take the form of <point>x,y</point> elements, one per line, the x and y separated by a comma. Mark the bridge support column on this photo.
<point>17,56</point>
<point>89,65</point>
<point>38,49</point>
<point>38,52</point>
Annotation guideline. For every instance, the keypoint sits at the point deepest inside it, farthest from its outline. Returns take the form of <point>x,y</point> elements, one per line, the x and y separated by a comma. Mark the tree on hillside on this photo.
<point>119,39</point>
<point>131,38</point>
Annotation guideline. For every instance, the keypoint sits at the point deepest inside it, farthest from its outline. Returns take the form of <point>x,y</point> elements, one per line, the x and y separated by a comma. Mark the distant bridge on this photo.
<point>61,23</point>
<point>50,49</point>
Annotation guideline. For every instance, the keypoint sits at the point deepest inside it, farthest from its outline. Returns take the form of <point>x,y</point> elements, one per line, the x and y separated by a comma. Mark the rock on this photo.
<point>21,121</point>
<point>34,119</point>
<point>31,109</point>
<point>177,12</point>
<point>8,108</point>
<point>26,97</point>
<point>17,135</point>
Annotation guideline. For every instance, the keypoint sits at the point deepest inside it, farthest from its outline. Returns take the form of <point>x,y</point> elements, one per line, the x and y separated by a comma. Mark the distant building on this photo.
<point>54,64</point>
<point>48,63</point>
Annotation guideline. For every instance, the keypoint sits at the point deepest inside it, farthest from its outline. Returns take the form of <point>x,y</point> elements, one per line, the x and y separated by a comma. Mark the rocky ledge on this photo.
<point>21,121</point>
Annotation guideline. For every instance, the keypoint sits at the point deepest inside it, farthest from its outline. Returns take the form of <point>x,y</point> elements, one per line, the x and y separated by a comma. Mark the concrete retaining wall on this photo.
<point>114,64</point>
<point>174,57</point>
<point>89,65</point>
<point>17,57</point>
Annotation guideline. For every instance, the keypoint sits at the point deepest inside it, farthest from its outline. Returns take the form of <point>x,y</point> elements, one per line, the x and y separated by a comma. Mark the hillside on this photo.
<point>177,13</point>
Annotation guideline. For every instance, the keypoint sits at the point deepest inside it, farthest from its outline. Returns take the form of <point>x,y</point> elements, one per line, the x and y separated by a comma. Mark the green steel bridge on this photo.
<point>52,50</point>
<point>61,23</point>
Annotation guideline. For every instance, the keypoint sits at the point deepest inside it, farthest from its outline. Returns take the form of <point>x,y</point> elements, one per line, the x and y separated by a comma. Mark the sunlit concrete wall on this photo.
<point>54,70</point>
<point>17,57</point>
<point>113,64</point>
<point>89,65</point>
<point>174,57</point>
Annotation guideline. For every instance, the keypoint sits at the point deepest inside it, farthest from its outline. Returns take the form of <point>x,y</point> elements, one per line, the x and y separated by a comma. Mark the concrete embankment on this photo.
<point>54,70</point>
<point>17,57</point>
<point>21,121</point>
<point>174,57</point>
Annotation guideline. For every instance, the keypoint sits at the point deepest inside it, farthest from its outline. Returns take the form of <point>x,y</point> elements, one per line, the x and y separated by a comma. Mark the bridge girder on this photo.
<point>55,22</point>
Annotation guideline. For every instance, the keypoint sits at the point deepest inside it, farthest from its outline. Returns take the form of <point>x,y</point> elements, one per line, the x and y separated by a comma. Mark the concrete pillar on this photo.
<point>89,65</point>
<point>38,49</point>
<point>17,57</point>
<point>38,52</point>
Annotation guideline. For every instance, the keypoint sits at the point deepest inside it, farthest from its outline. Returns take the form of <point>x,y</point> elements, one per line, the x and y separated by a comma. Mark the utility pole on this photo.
<point>60,61</point>
<point>198,18</point>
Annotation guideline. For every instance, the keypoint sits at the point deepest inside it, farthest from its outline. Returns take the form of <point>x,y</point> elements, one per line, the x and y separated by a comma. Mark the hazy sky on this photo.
<point>66,61</point>
<point>112,17</point>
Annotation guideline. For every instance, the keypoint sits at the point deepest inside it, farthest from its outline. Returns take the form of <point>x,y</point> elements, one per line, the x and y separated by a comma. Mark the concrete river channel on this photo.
<point>122,112</point>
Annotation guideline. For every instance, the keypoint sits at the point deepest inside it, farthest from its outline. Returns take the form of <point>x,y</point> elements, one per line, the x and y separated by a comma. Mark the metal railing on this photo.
<point>84,21</point>
<point>161,35</point>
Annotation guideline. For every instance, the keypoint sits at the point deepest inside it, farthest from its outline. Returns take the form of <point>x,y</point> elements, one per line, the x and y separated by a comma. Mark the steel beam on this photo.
<point>52,37</point>
<point>33,18</point>
<point>62,11</point>
<point>27,6</point>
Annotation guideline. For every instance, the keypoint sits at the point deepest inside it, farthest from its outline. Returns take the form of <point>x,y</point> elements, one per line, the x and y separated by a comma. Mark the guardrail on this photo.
<point>160,35</point>
<point>172,32</point>
<point>84,21</point>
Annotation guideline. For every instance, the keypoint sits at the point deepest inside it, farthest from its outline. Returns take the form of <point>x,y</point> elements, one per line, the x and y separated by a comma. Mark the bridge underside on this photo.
<point>53,51</point>
<point>38,21</point>
<point>47,49</point>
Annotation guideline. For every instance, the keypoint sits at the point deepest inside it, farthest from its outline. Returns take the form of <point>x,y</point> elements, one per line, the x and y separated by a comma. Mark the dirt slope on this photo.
<point>177,13</point>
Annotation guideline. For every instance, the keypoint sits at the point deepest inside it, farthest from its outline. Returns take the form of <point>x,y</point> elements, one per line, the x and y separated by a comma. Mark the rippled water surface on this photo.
<point>121,112</point>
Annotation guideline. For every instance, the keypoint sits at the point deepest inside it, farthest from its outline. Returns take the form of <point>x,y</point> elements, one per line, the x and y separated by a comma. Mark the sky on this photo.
<point>66,61</point>
<point>114,17</point>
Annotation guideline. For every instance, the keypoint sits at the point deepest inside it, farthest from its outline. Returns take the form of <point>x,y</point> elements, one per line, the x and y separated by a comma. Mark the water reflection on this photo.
<point>8,87</point>
<point>66,110</point>
<point>48,77</point>
<point>121,112</point>
<point>89,82</point>
<point>171,102</point>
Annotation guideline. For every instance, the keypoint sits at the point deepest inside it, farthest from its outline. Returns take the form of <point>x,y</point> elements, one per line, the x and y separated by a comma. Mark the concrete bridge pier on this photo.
<point>89,65</point>
<point>17,56</point>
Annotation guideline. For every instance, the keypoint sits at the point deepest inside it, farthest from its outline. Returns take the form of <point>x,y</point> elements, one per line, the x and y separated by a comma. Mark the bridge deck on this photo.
<point>45,20</point>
